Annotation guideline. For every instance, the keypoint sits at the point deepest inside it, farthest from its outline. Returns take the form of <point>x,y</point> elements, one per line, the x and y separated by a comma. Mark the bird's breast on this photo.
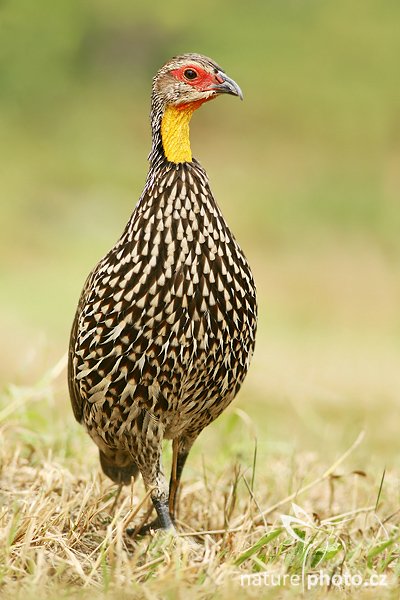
<point>172,302</point>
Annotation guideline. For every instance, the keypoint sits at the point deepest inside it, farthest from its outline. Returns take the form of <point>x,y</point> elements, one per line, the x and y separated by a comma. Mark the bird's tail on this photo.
<point>118,466</point>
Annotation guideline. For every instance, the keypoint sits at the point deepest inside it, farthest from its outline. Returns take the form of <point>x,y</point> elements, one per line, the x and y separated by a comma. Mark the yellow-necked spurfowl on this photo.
<point>165,326</point>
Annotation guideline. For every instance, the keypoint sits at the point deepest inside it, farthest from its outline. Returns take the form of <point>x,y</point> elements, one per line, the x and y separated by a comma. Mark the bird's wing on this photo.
<point>76,399</point>
<point>74,391</point>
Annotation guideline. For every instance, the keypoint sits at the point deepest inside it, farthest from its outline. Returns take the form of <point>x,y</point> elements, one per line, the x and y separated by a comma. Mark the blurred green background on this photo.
<point>306,170</point>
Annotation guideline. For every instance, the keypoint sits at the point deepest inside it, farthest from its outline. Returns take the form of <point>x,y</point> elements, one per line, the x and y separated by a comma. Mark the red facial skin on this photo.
<point>203,82</point>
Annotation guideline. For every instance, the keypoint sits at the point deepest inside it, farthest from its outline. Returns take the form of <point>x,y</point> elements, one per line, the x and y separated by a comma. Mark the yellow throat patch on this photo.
<point>175,133</point>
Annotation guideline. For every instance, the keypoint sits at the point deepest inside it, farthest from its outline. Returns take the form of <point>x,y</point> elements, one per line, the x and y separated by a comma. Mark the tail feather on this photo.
<point>118,466</point>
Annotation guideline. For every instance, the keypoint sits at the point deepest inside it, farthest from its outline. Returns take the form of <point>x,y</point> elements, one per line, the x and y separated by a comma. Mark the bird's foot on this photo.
<point>151,527</point>
<point>163,521</point>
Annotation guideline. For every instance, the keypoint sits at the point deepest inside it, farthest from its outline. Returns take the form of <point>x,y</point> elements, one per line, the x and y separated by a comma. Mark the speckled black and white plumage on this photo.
<point>164,330</point>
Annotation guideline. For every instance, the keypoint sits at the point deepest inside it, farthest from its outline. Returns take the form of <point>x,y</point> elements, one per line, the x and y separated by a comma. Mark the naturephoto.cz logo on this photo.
<point>308,581</point>
<point>321,544</point>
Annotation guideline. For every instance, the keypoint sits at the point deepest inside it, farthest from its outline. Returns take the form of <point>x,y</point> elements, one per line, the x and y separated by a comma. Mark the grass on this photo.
<point>242,514</point>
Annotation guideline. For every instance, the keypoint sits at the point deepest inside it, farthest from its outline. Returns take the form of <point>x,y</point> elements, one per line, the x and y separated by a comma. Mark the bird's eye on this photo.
<point>190,74</point>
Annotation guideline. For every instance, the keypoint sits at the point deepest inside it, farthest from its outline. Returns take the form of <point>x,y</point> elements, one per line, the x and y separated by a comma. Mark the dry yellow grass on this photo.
<point>62,524</point>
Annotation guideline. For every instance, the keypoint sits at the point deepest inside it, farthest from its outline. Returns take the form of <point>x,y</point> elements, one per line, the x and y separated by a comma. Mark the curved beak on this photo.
<point>226,85</point>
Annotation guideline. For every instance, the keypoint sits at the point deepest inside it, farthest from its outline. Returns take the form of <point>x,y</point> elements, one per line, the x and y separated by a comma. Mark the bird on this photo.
<point>165,325</point>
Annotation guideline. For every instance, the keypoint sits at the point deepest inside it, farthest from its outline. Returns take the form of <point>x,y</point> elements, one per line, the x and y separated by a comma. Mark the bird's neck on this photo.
<point>175,133</point>
<point>171,138</point>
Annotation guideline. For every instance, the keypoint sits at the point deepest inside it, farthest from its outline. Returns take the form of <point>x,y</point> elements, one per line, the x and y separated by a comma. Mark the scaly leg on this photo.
<point>180,451</point>
<point>148,459</point>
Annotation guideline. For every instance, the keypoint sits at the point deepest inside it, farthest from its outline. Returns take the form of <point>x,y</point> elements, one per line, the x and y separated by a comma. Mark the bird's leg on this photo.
<point>163,520</point>
<point>159,498</point>
<point>148,459</point>
<point>180,451</point>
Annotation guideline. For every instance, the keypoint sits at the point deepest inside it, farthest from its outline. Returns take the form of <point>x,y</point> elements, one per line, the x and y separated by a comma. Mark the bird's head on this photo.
<point>179,88</point>
<point>192,78</point>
